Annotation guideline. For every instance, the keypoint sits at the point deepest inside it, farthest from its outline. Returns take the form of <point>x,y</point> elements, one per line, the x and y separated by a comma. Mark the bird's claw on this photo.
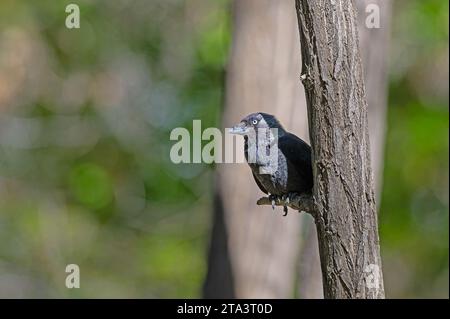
<point>285,198</point>
<point>273,199</point>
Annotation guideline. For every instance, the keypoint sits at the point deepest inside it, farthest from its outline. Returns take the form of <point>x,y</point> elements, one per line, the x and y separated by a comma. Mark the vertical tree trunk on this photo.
<point>259,247</point>
<point>337,110</point>
<point>374,46</point>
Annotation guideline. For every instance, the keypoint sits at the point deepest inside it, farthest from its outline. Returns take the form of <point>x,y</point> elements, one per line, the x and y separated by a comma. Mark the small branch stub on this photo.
<point>305,78</point>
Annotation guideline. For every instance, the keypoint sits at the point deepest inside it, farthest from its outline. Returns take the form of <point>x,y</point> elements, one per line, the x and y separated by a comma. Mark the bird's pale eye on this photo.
<point>254,122</point>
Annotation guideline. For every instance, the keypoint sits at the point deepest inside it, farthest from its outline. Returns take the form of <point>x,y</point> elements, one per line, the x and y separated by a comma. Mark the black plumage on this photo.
<point>293,171</point>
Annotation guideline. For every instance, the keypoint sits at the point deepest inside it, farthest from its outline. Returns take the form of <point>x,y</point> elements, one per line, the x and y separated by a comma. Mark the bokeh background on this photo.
<point>85,175</point>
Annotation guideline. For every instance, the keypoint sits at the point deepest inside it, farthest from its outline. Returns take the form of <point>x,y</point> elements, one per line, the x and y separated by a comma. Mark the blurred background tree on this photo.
<point>85,118</point>
<point>262,76</point>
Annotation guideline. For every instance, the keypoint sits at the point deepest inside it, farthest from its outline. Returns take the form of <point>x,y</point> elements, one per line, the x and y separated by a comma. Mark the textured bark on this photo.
<point>374,45</point>
<point>346,217</point>
<point>262,247</point>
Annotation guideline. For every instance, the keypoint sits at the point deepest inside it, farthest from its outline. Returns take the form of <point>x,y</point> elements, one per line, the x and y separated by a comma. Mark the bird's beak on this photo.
<point>240,129</point>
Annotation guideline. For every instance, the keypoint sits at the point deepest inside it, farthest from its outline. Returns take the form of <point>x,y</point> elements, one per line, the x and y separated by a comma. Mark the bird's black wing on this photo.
<point>261,187</point>
<point>298,154</point>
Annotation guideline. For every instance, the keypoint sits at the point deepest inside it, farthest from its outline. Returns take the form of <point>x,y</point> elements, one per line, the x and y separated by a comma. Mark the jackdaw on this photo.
<point>279,160</point>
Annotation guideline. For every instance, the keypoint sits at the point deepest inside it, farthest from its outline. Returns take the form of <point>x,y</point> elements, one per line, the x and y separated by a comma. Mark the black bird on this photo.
<point>288,170</point>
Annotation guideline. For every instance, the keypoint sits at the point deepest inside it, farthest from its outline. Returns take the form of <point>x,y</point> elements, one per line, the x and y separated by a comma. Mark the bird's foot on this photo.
<point>273,199</point>
<point>286,199</point>
<point>289,197</point>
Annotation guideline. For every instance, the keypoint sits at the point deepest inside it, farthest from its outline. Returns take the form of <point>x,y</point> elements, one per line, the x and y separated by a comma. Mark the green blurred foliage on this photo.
<point>90,185</point>
<point>414,206</point>
<point>85,118</point>
<point>88,180</point>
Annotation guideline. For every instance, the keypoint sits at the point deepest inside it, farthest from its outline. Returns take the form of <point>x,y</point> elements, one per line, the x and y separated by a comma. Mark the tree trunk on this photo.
<point>374,45</point>
<point>258,247</point>
<point>345,214</point>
